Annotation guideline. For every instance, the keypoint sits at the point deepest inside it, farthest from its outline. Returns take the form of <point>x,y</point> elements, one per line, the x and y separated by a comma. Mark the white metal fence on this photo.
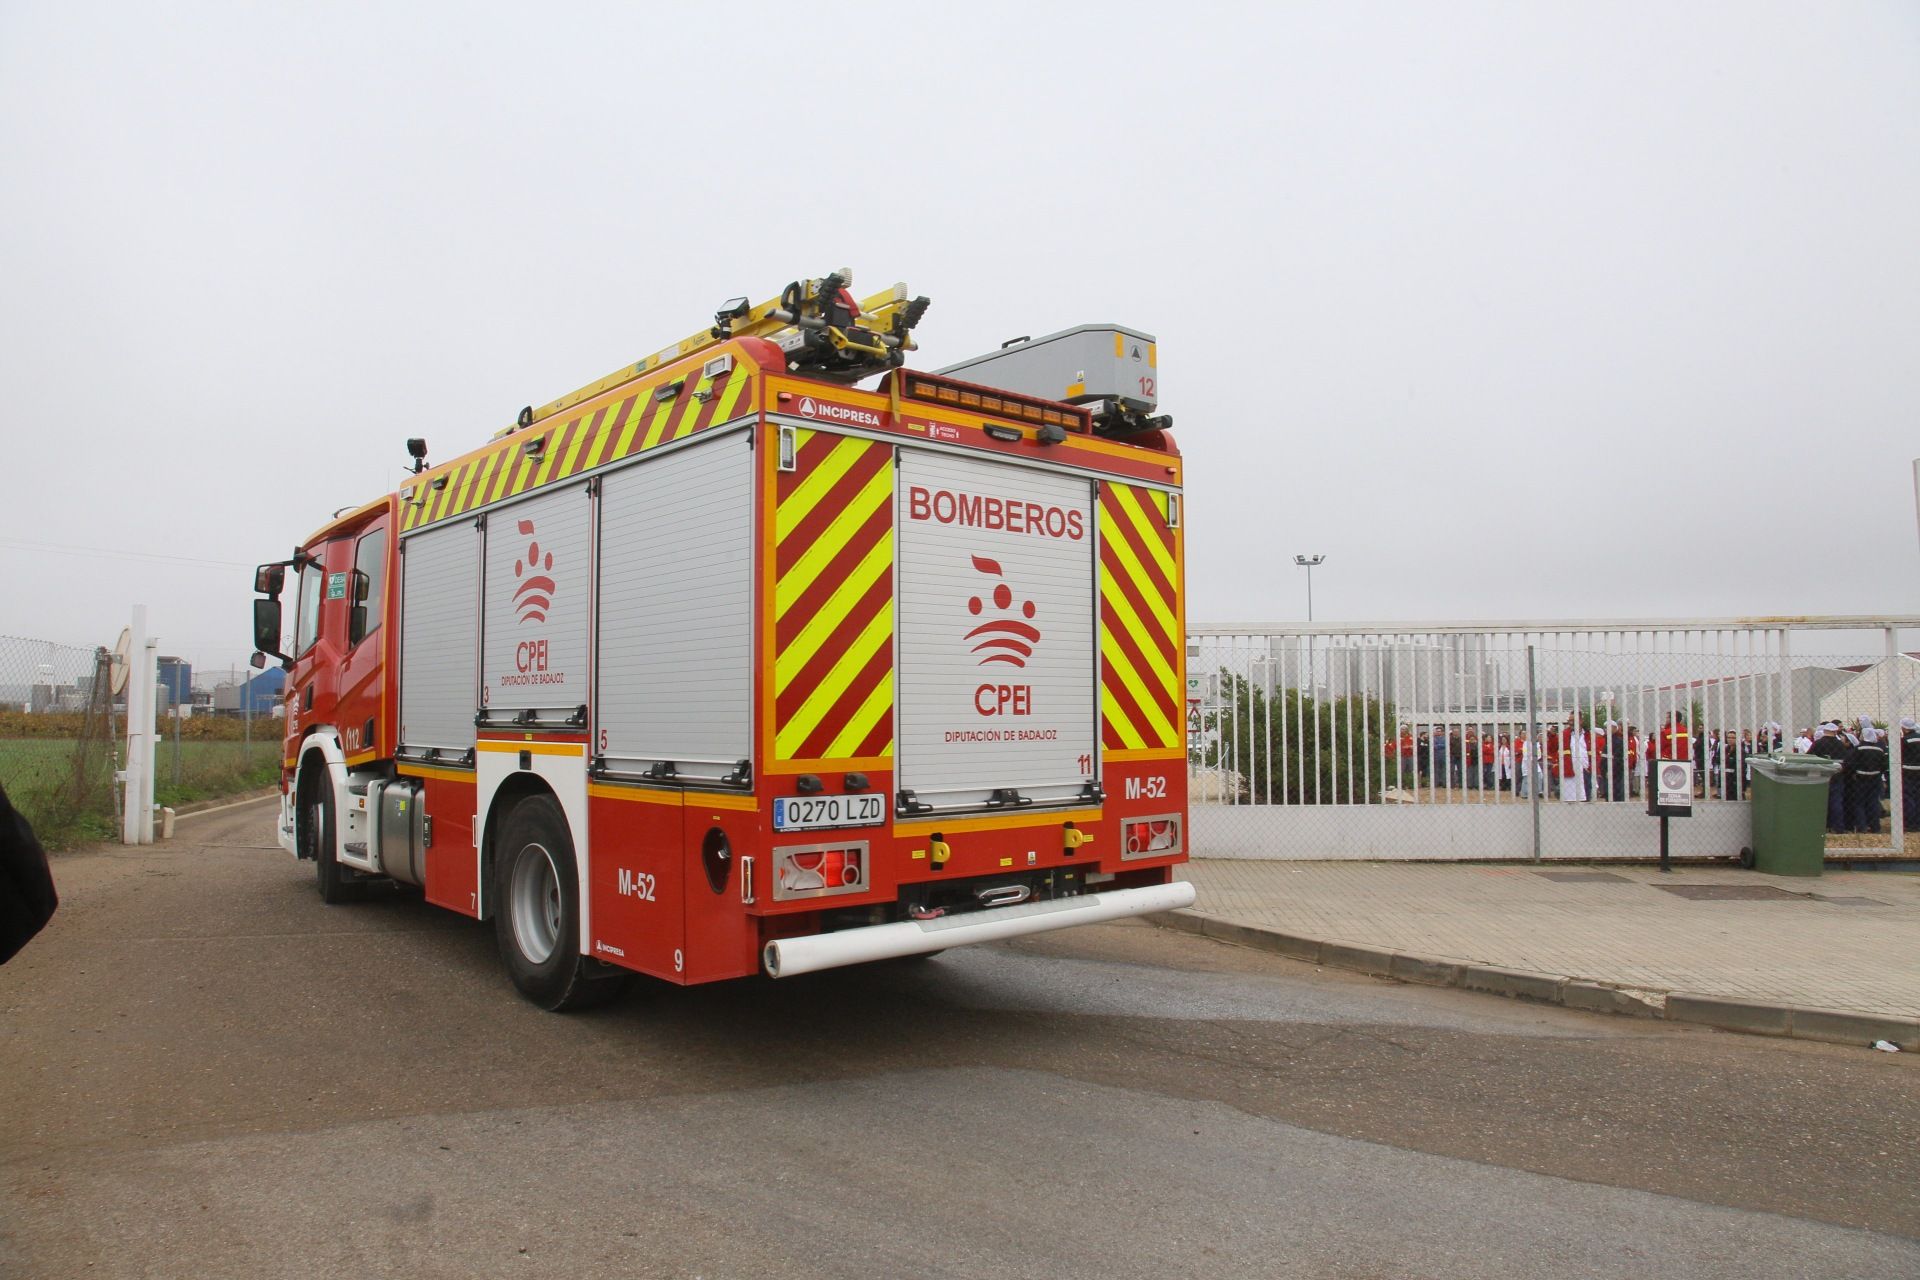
<point>1523,739</point>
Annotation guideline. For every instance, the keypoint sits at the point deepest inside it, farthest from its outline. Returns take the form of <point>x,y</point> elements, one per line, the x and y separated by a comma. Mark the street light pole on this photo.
<point>1307,563</point>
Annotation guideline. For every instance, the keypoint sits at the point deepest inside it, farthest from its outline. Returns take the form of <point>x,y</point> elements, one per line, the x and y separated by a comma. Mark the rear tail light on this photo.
<point>817,871</point>
<point>1151,837</point>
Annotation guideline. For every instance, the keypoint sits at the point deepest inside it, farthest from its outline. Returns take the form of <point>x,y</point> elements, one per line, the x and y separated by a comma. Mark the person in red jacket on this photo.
<point>1567,759</point>
<point>1676,742</point>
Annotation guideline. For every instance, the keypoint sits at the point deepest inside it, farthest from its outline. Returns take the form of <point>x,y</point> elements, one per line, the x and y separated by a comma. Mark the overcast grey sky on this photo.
<point>1473,299</point>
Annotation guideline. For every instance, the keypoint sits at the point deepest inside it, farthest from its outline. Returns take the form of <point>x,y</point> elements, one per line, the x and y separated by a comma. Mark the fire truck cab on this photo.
<point>723,666</point>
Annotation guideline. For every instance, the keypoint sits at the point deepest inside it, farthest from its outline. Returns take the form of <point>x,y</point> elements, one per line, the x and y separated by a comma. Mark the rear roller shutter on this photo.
<point>997,663</point>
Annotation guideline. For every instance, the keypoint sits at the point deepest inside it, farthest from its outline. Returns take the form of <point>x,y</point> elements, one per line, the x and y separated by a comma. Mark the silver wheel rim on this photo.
<point>534,901</point>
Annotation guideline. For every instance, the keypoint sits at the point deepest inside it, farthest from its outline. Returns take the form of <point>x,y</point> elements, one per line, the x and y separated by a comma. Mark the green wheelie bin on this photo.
<point>1790,814</point>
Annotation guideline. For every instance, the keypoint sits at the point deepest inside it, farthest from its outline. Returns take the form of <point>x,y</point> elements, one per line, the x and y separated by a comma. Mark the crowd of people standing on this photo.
<point>1867,766</point>
<point>1578,762</point>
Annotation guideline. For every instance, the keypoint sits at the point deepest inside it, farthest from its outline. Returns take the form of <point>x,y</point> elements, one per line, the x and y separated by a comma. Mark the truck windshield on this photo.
<point>307,629</point>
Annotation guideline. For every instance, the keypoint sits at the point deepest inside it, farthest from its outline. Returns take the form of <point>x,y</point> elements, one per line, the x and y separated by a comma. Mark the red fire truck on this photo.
<point>721,665</point>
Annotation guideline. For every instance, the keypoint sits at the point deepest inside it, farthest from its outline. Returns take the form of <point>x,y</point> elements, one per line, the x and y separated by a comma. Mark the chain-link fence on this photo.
<point>63,735</point>
<point>1511,742</point>
<point>58,737</point>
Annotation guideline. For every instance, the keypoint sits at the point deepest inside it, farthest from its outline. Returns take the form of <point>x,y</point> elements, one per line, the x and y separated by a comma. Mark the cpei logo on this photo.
<point>1006,638</point>
<point>534,595</point>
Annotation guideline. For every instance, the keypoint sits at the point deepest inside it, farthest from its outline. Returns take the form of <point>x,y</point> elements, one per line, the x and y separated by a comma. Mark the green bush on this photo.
<point>1300,750</point>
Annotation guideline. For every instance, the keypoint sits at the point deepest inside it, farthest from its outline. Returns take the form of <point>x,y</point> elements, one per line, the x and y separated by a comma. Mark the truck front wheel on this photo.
<point>536,911</point>
<point>319,841</point>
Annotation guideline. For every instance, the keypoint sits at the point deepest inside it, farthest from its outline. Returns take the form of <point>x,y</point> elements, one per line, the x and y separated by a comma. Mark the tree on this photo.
<point>1292,748</point>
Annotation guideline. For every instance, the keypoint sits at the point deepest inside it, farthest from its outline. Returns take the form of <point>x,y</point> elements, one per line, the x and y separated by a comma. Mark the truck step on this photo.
<point>356,848</point>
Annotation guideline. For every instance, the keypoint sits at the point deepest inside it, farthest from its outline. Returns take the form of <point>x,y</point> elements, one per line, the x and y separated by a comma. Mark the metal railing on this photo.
<point>1519,738</point>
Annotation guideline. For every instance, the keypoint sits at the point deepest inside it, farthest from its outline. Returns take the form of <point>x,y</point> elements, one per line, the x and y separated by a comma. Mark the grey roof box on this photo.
<point>1080,365</point>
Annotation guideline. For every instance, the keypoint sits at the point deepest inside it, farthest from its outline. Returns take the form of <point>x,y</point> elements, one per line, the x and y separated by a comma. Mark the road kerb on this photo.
<point>1521,984</point>
<point>199,807</point>
<point>1428,971</point>
<point>1729,1015</point>
<point>1830,1026</point>
<point>1368,960</point>
<point>1293,946</point>
<point>1836,1027</point>
<point>1596,997</point>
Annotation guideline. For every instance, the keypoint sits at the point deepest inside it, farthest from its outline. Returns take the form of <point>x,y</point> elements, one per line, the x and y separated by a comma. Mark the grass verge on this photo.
<point>64,787</point>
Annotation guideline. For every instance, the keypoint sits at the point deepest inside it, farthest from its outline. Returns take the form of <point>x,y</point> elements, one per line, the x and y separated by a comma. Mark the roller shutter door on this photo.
<point>996,641</point>
<point>676,637</point>
<point>538,568</point>
<point>439,639</point>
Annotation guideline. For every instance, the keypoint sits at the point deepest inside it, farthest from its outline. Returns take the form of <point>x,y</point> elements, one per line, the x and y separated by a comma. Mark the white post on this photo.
<point>136,820</point>
<point>1793,725</point>
<point>150,673</point>
<point>1535,783</point>
<point>1896,780</point>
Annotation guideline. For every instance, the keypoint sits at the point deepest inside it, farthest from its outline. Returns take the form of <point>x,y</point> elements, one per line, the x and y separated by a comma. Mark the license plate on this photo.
<point>806,813</point>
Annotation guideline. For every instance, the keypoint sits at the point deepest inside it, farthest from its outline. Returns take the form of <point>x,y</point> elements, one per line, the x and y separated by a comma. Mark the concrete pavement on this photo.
<point>1833,958</point>
<point>212,1074</point>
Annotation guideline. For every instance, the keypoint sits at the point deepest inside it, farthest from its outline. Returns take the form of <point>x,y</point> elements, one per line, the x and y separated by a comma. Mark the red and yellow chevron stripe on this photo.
<point>600,432</point>
<point>833,603</point>
<point>1142,648</point>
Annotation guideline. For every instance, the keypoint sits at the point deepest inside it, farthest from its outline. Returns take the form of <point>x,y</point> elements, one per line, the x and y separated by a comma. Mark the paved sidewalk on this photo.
<point>1846,942</point>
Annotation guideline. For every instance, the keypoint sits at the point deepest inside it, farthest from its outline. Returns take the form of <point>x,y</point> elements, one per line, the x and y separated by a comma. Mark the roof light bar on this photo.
<point>966,395</point>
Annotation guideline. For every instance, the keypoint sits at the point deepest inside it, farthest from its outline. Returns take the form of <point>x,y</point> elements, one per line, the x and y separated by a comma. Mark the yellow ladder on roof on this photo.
<point>888,320</point>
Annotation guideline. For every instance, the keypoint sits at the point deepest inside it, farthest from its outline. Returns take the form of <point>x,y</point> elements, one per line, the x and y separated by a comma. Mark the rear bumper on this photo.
<point>787,957</point>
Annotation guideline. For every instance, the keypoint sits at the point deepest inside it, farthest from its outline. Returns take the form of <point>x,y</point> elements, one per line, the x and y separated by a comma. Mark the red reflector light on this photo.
<point>822,870</point>
<point>1154,835</point>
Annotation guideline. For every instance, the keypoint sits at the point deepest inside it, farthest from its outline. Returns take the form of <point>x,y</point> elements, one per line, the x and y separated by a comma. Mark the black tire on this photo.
<point>320,838</point>
<point>536,912</point>
<point>1746,857</point>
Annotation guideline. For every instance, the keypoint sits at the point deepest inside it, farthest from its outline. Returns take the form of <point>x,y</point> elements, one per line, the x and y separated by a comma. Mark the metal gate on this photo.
<point>1520,739</point>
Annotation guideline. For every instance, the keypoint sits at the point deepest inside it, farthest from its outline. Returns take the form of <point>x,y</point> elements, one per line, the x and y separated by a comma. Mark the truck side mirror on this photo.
<point>266,627</point>
<point>269,578</point>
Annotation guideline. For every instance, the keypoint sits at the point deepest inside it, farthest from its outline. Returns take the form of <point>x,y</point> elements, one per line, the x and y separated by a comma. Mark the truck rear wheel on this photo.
<point>536,912</point>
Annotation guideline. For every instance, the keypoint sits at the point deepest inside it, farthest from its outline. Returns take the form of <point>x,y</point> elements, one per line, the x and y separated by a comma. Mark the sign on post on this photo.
<point>1669,795</point>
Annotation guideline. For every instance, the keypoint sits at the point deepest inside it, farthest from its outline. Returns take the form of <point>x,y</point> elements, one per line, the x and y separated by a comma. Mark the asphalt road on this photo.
<point>208,1073</point>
